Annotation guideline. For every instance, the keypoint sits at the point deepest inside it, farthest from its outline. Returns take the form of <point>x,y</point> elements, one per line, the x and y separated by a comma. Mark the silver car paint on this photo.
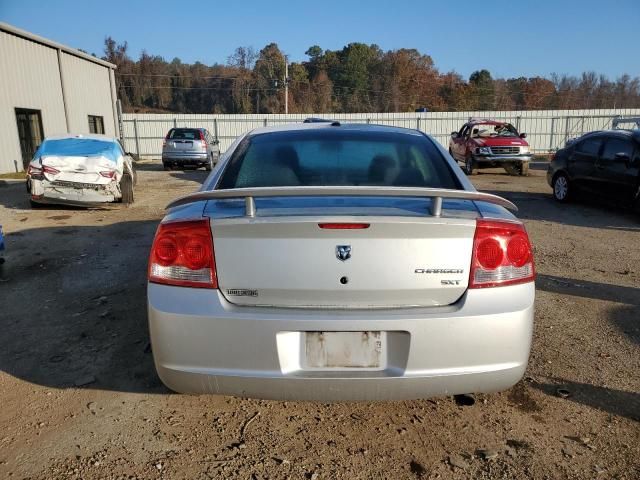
<point>203,343</point>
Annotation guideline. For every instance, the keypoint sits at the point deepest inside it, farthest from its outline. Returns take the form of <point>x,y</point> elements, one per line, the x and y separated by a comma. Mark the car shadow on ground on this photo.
<point>73,311</point>
<point>583,213</point>
<point>197,176</point>
<point>14,195</point>
<point>625,317</point>
<point>610,400</point>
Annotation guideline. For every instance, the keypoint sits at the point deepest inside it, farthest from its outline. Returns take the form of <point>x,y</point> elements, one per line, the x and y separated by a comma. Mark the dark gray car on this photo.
<point>190,147</point>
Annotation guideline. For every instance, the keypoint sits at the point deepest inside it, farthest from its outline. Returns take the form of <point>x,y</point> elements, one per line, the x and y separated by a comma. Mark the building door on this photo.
<point>29,132</point>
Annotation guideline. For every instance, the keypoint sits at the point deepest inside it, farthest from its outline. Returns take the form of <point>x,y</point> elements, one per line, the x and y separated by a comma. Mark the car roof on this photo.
<point>94,136</point>
<point>619,132</point>
<point>354,127</point>
<point>481,121</point>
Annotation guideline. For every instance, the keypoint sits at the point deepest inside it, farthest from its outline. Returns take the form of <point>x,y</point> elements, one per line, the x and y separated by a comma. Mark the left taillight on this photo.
<point>34,171</point>
<point>182,255</point>
<point>502,255</point>
<point>108,174</point>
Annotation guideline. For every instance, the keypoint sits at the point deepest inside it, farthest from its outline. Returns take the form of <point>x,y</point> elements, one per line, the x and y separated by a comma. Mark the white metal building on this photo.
<point>48,89</point>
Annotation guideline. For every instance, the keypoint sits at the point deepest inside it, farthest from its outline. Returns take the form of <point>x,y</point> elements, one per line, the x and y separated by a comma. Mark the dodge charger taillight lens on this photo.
<point>182,254</point>
<point>501,255</point>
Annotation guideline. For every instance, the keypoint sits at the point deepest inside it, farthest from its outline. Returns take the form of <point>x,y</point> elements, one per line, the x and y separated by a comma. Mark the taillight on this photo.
<point>164,140</point>
<point>204,142</point>
<point>182,255</point>
<point>502,255</point>
<point>34,170</point>
<point>108,174</point>
<point>50,170</point>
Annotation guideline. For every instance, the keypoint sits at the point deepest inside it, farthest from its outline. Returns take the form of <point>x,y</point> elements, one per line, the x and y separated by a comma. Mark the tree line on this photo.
<point>357,78</point>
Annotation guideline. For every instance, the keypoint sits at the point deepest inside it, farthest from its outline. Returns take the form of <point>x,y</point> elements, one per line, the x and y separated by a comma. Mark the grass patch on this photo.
<point>14,175</point>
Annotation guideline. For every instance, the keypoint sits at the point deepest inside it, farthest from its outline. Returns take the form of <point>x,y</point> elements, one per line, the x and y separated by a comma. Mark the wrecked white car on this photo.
<point>80,170</point>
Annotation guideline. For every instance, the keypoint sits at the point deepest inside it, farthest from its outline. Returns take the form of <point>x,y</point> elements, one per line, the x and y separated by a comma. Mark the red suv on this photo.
<point>482,143</point>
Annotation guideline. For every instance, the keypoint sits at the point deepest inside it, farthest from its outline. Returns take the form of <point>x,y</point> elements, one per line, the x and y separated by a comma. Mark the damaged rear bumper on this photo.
<point>71,193</point>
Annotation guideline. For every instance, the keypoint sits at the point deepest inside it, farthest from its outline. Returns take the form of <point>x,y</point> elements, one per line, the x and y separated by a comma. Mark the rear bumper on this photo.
<point>185,158</point>
<point>204,344</point>
<point>43,191</point>
<point>502,158</point>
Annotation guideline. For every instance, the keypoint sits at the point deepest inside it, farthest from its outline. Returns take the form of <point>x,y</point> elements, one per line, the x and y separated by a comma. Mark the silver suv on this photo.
<point>190,147</point>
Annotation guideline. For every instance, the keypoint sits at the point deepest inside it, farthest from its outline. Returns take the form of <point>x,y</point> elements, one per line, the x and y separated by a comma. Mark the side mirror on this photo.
<point>523,135</point>
<point>454,135</point>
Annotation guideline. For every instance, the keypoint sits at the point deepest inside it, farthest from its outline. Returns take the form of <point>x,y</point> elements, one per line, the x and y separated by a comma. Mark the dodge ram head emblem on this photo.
<point>343,252</point>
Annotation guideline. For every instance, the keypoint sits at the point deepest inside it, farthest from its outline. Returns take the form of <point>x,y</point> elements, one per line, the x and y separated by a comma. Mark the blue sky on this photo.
<point>511,38</point>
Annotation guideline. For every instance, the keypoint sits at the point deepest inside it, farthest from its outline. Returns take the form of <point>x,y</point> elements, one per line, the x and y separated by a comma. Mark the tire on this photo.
<point>126,188</point>
<point>524,169</point>
<point>166,167</point>
<point>511,169</point>
<point>35,204</point>
<point>561,188</point>
<point>209,166</point>
<point>469,166</point>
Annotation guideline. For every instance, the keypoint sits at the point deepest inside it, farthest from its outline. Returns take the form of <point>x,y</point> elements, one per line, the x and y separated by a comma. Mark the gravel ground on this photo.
<point>79,397</point>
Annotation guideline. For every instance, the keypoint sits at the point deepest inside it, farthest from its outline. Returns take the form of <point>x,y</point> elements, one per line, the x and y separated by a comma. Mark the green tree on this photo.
<point>482,90</point>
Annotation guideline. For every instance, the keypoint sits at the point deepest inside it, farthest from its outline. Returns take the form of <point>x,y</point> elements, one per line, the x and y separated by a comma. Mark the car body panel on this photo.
<point>313,270</point>
<point>279,293</point>
<point>204,344</point>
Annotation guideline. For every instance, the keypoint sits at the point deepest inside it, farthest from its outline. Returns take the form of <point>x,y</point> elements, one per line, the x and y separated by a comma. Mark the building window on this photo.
<point>96,124</point>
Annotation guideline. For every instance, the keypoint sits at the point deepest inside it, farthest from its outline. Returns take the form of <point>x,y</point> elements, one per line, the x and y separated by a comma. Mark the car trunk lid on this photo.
<point>290,261</point>
<point>80,169</point>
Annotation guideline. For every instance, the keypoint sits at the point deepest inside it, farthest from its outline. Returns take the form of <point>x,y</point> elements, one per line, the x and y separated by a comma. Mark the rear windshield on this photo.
<point>79,147</point>
<point>338,157</point>
<point>186,133</point>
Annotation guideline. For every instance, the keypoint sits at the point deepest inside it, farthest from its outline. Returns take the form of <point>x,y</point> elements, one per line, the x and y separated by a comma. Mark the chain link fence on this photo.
<point>547,130</point>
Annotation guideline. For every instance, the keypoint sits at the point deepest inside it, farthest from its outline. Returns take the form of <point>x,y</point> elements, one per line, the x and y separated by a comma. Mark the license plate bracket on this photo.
<point>344,350</point>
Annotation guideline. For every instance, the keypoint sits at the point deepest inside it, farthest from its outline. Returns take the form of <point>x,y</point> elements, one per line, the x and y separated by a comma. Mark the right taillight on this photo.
<point>182,255</point>
<point>502,255</point>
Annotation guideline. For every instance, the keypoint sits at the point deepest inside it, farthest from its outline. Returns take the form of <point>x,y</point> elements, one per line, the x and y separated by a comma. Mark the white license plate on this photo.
<point>344,349</point>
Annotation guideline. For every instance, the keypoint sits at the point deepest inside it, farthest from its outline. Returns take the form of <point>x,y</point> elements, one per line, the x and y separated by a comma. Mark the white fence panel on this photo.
<point>547,130</point>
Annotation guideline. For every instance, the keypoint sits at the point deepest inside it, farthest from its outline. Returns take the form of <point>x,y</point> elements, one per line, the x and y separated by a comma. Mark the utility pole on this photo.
<point>286,85</point>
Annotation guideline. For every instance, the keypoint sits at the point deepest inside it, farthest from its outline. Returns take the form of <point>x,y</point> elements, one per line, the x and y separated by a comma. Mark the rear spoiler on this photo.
<point>436,195</point>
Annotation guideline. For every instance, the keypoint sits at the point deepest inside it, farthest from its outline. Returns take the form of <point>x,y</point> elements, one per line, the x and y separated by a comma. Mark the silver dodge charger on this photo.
<point>331,262</point>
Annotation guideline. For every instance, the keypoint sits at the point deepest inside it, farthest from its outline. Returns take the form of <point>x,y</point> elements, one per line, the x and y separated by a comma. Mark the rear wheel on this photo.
<point>209,166</point>
<point>469,166</point>
<point>35,204</point>
<point>561,189</point>
<point>126,188</point>
<point>166,166</point>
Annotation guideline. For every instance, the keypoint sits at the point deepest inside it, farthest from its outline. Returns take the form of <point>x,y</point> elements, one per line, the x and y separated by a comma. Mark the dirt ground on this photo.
<point>79,396</point>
